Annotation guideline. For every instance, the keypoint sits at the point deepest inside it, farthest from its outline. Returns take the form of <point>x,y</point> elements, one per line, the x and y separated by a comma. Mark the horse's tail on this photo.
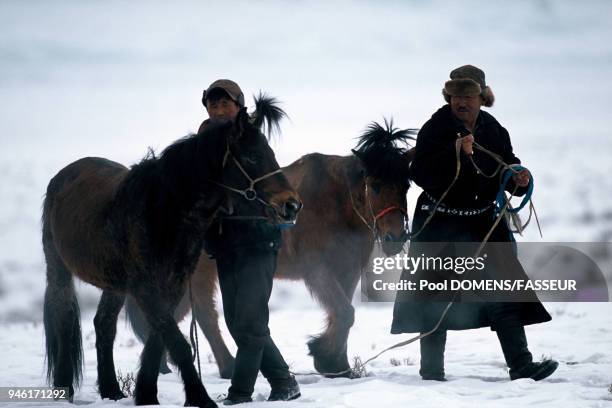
<point>64,351</point>
<point>268,114</point>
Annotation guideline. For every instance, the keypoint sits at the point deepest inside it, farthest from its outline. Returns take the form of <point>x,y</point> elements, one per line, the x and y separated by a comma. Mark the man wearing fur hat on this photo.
<point>465,215</point>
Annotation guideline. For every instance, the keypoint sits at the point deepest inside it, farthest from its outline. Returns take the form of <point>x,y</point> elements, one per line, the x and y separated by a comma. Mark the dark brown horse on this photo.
<point>140,232</point>
<point>349,203</point>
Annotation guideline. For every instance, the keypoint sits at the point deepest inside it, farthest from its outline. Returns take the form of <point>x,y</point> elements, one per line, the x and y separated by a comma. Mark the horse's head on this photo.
<point>386,167</point>
<point>250,174</point>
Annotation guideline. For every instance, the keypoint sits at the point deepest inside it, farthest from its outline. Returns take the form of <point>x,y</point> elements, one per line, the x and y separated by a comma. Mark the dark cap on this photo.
<point>229,87</point>
<point>470,72</point>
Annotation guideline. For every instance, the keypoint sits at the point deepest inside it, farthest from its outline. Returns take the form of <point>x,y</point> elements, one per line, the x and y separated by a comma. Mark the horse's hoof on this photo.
<point>115,395</point>
<point>347,373</point>
<point>330,367</point>
<point>148,399</point>
<point>163,366</point>
<point>205,403</point>
<point>227,370</point>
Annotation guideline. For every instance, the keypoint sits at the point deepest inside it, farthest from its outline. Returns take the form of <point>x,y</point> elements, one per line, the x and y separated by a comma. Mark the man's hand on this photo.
<point>466,144</point>
<point>522,178</point>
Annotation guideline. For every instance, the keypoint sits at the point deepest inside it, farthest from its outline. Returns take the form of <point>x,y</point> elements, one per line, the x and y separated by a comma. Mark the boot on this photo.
<point>285,390</point>
<point>518,358</point>
<point>432,356</point>
<point>235,400</point>
<point>246,368</point>
<point>275,369</point>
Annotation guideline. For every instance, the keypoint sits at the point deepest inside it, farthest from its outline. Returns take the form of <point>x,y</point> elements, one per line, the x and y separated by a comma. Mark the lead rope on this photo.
<point>487,236</point>
<point>457,171</point>
<point>450,303</point>
<point>193,334</point>
<point>442,316</point>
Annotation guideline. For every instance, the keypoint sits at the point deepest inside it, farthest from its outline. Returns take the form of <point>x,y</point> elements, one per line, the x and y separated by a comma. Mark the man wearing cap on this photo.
<point>222,100</point>
<point>246,253</point>
<point>465,215</point>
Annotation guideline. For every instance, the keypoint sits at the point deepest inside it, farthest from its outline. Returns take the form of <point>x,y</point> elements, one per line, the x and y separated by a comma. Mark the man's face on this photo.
<point>466,108</point>
<point>223,108</point>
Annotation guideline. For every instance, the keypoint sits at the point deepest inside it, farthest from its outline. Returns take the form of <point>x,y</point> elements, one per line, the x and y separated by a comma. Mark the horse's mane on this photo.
<point>381,149</point>
<point>267,115</point>
<point>169,180</point>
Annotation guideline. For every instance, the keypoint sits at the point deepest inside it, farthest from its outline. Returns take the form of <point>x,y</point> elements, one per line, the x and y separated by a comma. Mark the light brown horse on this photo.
<point>140,232</point>
<point>349,203</point>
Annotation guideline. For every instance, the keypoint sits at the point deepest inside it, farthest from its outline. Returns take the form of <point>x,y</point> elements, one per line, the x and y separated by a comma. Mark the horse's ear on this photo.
<point>409,155</point>
<point>359,155</point>
<point>361,158</point>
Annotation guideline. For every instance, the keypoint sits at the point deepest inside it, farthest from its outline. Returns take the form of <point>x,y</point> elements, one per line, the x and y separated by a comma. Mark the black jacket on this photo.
<point>433,169</point>
<point>434,164</point>
<point>225,237</point>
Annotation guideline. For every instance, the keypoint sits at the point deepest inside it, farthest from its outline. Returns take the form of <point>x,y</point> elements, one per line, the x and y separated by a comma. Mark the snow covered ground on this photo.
<point>579,336</point>
<point>112,78</point>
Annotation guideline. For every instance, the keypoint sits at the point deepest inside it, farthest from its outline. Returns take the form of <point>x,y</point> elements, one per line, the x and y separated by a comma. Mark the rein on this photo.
<point>193,334</point>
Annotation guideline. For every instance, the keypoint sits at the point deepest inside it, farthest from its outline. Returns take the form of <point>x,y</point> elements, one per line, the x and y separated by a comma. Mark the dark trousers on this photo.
<point>245,278</point>
<point>432,355</point>
<point>505,320</point>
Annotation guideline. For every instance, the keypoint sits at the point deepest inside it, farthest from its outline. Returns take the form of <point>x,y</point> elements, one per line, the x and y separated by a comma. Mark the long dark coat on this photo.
<point>433,169</point>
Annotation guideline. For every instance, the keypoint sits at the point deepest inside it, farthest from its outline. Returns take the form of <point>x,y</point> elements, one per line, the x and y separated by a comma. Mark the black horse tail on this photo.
<point>268,114</point>
<point>64,350</point>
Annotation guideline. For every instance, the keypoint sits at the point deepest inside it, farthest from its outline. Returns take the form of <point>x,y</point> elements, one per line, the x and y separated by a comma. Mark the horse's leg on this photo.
<point>145,391</point>
<point>105,324</point>
<point>61,321</point>
<point>329,349</point>
<point>164,328</point>
<point>141,327</point>
<point>205,311</point>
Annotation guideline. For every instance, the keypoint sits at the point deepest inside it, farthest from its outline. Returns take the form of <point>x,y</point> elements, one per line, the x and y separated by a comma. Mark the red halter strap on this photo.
<point>388,210</point>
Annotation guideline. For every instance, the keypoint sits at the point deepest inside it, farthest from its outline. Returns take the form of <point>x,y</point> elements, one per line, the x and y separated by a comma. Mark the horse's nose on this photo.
<point>389,237</point>
<point>291,208</point>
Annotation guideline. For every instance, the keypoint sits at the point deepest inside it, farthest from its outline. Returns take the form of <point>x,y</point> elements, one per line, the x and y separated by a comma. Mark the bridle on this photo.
<point>376,216</point>
<point>249,193</point>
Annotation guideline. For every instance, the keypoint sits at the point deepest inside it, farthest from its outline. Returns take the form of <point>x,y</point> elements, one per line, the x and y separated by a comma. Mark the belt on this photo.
<point>460,212</point>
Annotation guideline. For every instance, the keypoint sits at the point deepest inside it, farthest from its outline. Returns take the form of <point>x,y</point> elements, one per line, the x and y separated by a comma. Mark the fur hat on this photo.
<point>468,80</point>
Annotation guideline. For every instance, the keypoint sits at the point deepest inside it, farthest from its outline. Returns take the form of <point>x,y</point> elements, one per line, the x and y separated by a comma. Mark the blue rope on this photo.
<point>286,225</point>
<point>501,199</point>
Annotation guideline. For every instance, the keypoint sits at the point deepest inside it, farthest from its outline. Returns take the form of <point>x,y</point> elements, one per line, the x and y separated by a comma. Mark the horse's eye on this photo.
<point>252,157</point>
<point>376,187</point>
<point>251,160</point>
